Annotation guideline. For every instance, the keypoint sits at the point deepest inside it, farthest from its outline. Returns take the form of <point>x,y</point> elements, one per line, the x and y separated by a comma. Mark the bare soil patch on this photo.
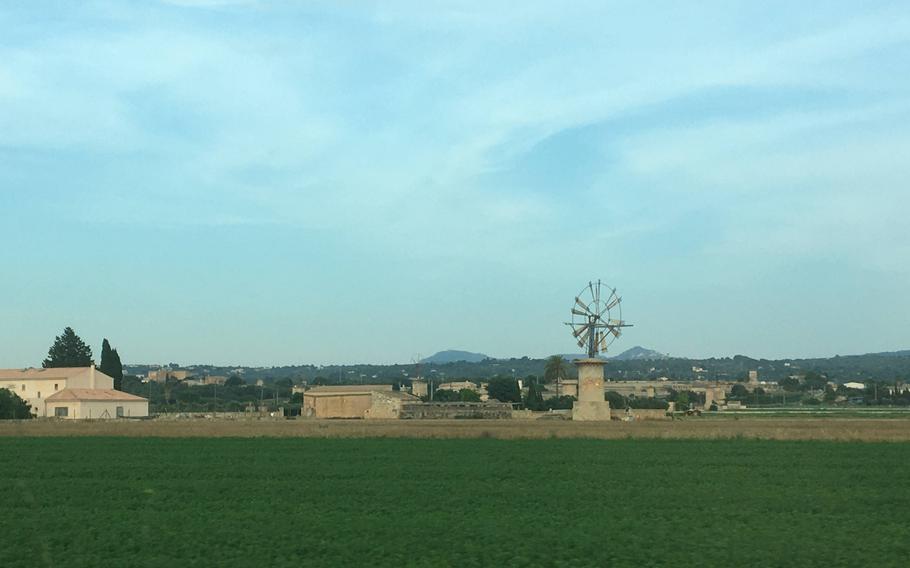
<point>761,428</point>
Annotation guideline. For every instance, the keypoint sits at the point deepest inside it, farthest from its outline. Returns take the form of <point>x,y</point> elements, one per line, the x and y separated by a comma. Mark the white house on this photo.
<point>72,392</point>
<point>95,403</point>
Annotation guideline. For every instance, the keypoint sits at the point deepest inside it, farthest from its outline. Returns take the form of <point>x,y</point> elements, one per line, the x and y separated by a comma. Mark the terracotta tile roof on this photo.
<point>68,395</point>
<point>31,373</point>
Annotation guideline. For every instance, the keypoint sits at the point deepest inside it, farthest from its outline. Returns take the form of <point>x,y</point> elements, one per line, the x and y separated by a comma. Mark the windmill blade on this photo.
<point>580,330</point>
<point>614,302</point>
<point>611,303</point>
<point>578,312</point>
<point>583,305</point>
<point>615,331</point>
<point>603,342</point>
<point>616,323</point>
<point>584,336</point>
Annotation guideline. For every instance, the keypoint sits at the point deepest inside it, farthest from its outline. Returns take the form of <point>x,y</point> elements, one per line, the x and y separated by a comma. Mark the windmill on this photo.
<point>597,318</point>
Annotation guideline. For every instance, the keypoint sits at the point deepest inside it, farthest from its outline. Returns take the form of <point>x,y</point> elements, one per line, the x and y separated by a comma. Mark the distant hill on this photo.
<point>637,363</point>
<point>636,353</point>
<point>454,356</point>
<point>639,353</point>
<point>904,353</point>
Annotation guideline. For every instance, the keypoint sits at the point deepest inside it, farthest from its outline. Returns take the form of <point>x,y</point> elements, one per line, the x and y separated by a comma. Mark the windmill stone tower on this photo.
<point>594,327</point>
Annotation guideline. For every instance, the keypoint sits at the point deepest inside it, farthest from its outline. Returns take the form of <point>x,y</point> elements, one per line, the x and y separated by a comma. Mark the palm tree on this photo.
<point>555,371</point>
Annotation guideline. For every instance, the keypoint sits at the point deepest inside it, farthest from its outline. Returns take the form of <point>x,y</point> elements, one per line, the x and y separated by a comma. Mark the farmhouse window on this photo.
<point>61,411</point>
<point>119,412</point>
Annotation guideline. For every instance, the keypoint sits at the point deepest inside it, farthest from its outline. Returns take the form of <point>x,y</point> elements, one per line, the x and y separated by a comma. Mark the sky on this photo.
<point>270,183</point>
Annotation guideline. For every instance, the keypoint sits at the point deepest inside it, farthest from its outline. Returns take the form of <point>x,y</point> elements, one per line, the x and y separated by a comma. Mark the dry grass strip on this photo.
<point>763,428</point>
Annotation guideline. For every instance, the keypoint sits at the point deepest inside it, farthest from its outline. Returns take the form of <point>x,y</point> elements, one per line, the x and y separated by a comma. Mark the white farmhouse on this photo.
<point>72,392</point>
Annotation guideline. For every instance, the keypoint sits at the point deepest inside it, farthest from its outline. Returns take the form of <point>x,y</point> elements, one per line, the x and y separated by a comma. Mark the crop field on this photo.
<point>119,501</point>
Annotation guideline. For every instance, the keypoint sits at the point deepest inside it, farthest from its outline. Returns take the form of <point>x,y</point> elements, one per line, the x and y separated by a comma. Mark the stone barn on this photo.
<point>354,401</point>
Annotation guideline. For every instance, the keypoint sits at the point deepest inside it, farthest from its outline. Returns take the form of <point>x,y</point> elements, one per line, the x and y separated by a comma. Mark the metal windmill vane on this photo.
<point>597,318</point>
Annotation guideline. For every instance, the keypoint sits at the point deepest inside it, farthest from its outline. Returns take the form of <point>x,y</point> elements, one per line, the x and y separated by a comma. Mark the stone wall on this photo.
<point>455,410</point>
<point>384,407</point>
<point>639,414</point>
<point>337,405</point>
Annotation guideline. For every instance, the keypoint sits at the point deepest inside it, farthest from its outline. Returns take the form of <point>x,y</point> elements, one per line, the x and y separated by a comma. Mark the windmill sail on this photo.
<point>584,336</point>
<point>591,323</point>
<point>613,303</point>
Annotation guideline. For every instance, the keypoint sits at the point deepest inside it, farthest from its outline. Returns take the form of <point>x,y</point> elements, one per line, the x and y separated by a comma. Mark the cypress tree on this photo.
<point>68,350</point>
<point>534,400</point>
<point>118,368</point>
<point>110,364</point>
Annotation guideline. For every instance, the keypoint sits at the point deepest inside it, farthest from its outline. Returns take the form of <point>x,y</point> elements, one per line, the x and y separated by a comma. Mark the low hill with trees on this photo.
<point>888,367</point>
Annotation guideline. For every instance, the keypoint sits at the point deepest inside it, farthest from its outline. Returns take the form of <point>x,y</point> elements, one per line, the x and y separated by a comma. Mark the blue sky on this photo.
<point>285,182</point>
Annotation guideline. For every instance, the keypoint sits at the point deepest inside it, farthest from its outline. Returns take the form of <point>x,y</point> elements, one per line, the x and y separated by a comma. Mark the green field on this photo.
<point>483,502</point>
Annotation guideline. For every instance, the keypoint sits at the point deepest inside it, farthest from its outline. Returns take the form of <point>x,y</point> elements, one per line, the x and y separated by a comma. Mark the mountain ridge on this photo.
<point>637,353</point>
<point>454,356</point>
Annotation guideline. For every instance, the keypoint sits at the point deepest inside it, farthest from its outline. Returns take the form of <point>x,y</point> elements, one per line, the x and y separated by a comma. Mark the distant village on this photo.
<point>69,386</point>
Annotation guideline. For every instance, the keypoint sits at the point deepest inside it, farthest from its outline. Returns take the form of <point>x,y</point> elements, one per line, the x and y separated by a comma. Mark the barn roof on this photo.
<point>93,395</point>
<point>388,394</point>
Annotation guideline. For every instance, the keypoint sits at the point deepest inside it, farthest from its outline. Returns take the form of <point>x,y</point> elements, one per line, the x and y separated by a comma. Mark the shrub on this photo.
<point>12,407</point>
<point>564,402</point>
<point>648,403</point>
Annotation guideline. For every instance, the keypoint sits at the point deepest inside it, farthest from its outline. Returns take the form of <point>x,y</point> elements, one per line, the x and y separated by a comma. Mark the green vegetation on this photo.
<point>12,407</point>
<point>482,502</point>
<point>468,395</point>
<point>504,389</point>
<point>463,395</point>
<point>617,400</point>
<point>111,365</point>
<point>534,398</point>
<point>68,350</point>
<point>556,369</point>
<point>233,396</point>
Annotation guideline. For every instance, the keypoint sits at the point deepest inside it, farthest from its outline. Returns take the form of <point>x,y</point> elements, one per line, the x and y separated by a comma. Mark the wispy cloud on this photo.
<point>436,137</point>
